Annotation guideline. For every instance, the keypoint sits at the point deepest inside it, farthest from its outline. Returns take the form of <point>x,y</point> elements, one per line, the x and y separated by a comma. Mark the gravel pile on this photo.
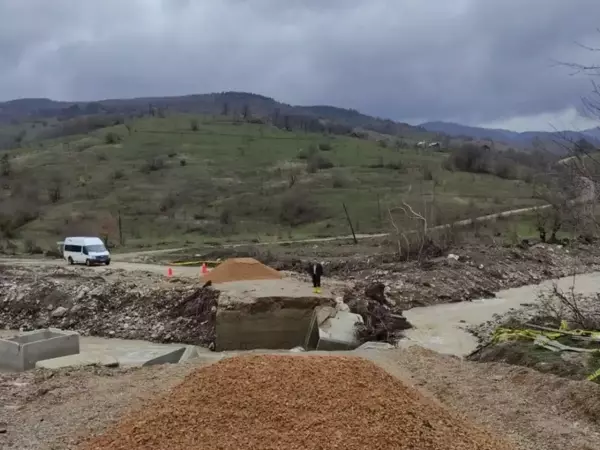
<point>284,402</point>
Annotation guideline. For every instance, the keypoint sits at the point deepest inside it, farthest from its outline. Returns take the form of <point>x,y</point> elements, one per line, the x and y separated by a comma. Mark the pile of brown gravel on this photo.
<point>294,402</point>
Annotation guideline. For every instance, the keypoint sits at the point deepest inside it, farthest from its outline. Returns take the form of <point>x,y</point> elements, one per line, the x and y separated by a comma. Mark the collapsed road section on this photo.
<point>240,305</point>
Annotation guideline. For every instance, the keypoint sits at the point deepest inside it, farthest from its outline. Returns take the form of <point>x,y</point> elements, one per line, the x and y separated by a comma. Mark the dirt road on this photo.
<point>178,271</point>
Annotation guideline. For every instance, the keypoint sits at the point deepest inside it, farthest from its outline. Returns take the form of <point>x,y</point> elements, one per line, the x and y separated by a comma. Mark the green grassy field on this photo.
<point>174,183</point>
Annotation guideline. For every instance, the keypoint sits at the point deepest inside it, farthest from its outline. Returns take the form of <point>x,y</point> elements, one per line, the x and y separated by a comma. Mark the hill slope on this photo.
<point>198,178</point>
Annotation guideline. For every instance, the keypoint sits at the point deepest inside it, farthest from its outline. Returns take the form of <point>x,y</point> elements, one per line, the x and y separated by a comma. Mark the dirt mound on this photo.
<point>279,402</point>
<point>241,269</point>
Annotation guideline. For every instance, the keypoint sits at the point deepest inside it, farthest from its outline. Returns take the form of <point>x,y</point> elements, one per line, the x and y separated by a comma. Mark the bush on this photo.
<point>182,162</point>
<point>307,154</point>
<point>297,208</point>
<point>325,147</point>
<point>32,248</point>
<point>339,180</point>
<point>194,125</point>
<point>469,158</point>
<point>225,218</point>
<point>317,162</point>
<point>153,165</point>
<point>112,138</point>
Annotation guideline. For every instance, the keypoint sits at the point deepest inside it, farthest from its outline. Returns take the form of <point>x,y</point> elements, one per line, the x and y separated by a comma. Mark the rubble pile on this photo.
<point>382,320</point>
<point>286,402</point>
<point>100,306</point>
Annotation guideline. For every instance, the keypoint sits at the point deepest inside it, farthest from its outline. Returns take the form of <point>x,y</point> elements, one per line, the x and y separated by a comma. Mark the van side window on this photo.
<point>73,248</point>
<point>85,251</point>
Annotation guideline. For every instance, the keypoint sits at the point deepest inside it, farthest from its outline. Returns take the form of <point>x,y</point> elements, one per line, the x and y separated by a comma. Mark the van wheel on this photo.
<point>107,263</point>
<point>88,262</point>
<point>71,261</point>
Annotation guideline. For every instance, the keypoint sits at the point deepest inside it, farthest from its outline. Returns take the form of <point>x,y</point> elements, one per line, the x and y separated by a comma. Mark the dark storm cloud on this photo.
<point>464,60</point>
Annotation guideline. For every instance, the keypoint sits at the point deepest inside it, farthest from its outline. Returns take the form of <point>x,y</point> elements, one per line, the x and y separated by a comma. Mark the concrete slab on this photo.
<point>331,329</point>
<point>80,360</point>
<point>23,351</point>
<point>265,314</point>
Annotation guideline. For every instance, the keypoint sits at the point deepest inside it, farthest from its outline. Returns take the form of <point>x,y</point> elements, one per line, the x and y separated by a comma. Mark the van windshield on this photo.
<point>95,248</point>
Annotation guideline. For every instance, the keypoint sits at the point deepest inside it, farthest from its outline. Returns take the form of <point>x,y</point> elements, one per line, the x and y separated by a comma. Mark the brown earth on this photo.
<point>241,269</point>
<point>277,402</point>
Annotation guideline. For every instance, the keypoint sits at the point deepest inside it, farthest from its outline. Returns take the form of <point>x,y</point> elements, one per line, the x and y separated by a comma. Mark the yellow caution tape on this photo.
<point>509,334</point>
<point>594,376</point>
<point>563,325</point>
<point>194,263</point>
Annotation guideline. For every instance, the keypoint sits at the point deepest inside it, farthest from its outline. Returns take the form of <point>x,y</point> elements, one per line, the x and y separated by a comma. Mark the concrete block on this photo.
<point>22,352</point>
<point>280,328</point>
<point>332,330</point>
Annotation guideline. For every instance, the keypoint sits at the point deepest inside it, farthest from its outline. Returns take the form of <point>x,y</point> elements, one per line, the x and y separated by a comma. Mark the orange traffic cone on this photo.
<point>169,272</point>
<point>204,269</point>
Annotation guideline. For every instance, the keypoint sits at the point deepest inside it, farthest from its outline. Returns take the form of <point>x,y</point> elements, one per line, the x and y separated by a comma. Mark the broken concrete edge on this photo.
<point>172,357</point>
<point>228,302</point>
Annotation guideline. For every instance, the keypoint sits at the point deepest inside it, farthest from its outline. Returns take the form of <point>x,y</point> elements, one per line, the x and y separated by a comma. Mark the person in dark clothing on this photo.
<point>316,272</point>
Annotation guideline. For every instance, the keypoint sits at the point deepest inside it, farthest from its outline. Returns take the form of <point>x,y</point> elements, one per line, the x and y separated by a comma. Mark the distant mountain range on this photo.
<point>215,103</point>
<point>262,106</point>
<point>528,139</point>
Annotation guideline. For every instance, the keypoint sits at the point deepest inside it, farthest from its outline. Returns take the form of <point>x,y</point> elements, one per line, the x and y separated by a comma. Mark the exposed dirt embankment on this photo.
<point>116,304</point>
<point>477,272</point>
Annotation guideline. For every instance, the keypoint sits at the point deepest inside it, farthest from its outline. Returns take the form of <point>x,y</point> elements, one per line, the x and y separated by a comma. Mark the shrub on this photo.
<point>297,208</point>
<point>317,162</point>
<point>112,138</point>
<point>153,165</point>
<point>194,125</point>
<point>225,218</point>
<point>307,154</point>
<point>469,158</point>
<point>325,147</point>
<point>339,180</point>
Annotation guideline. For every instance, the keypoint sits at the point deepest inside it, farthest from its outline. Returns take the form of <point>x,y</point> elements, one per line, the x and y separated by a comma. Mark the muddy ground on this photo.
<point>45,410</point>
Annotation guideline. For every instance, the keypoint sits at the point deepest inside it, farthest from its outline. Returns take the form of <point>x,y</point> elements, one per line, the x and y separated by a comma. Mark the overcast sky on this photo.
<point>471,61</point>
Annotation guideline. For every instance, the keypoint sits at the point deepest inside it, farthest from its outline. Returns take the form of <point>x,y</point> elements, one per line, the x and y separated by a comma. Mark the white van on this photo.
<point>85,250</point>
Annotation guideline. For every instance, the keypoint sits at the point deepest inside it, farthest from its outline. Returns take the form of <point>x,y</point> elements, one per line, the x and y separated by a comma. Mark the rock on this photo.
<point>3,427</point>
<point>61,311</point>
